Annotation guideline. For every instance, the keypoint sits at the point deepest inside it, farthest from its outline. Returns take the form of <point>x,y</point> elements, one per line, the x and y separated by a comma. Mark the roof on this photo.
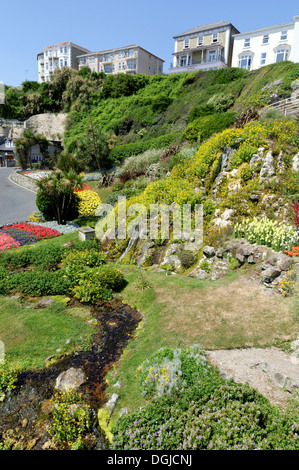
<point>203,28</point>
<point>284,25</point>
<point>115,49</point>
<point>63,43</point>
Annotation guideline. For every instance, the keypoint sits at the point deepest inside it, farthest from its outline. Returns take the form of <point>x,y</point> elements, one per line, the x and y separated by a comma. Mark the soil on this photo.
<point>263,369</point>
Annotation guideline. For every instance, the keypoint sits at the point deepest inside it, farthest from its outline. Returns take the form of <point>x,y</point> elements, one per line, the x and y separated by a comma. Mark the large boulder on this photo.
<point>70,379</point>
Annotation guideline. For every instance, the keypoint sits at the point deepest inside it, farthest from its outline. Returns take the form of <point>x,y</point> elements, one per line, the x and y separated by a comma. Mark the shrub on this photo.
<point>203,127</point>
<point>98,284</point>
<point>8,378</point>
<point>36,283</point>
<point>56,198</point>
<point>221,102</point>
<point>71,419</point>
<point>127,150</point>
<point>88,202</point>
<point>75,264</point>
<point>246,172</point>
<point>142,161</point>
<point>169,369</point>
<point>187,258</point>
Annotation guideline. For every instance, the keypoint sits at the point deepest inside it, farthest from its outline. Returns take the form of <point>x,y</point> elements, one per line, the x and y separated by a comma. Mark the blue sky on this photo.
<point>28,26</point>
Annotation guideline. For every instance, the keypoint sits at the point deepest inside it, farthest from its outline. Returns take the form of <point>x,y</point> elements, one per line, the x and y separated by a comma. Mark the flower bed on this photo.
<point>85,187</point>
<point>13,236</point>
<point>36,175</point>
<point>7,242</point>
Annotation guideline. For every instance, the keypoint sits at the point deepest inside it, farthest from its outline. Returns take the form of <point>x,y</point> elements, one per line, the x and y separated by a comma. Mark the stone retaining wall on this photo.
<point>23,181</point>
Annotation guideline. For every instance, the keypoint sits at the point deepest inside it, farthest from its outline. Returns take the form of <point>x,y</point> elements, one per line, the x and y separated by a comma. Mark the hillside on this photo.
<point>194,139</point>
<point>165,105</point>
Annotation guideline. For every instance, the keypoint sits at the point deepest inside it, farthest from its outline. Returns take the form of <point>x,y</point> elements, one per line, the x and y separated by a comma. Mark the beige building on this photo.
<point>131,60</point>
<point>207,47</point>
<point>62,55</point>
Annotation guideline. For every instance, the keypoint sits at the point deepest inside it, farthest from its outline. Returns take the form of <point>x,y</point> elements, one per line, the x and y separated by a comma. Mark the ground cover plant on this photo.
<point>204,414</point>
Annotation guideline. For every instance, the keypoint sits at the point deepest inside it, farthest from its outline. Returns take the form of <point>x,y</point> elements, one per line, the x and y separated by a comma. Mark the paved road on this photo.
<point>16,203</point>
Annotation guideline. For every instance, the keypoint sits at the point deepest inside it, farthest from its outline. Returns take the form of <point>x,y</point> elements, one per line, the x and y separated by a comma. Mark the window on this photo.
<point>131,53</point>
<point>266,39</point>
<point>131,64</point>
<point>215,37</point>
<point>186,43</point>
<point>200,41</point>
<point>65,50</point>
<point>245,62</point>
<point>284,36</point>
<point>184,61</point>
<point>263,58</point>
<point>61,63</point>
<point>65,63</point>
<point>83,61</point>
<point>61,50</point>
<point>212,56</point>
<point>281,55</point>
<point>107,68</point>
<point>247,42</point>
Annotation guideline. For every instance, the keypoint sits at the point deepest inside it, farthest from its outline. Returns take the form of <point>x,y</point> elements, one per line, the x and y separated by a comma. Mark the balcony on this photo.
<point>204,65</point>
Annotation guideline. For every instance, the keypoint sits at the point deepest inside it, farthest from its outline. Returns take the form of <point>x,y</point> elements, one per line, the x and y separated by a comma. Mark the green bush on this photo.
<point>246,172</point>
<point>187,258</point>
<point>36,283</point>
<point>120,152</point>
<point>203,127</point>
<point>97,284</point>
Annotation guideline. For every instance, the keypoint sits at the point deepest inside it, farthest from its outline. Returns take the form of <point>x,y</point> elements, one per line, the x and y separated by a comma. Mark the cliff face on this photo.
<point>51,125</point>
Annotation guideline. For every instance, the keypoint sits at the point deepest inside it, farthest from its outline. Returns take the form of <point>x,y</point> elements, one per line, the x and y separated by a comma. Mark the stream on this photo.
<point>24,410</point>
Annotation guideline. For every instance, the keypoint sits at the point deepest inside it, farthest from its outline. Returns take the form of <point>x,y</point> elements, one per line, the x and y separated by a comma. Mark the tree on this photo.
<point>56,198</point>
<point>23,148</point>
<point>93,149</point>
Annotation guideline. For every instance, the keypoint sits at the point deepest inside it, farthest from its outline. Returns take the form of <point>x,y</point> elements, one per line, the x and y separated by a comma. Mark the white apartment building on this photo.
<point>207,47</point>
<point>130,60</point>
<point>255,49</point>
<point>62,55</point>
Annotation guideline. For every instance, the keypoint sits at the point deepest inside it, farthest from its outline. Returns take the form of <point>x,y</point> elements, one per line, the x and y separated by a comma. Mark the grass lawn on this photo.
<point>181,311</point>
<point>30,335</point>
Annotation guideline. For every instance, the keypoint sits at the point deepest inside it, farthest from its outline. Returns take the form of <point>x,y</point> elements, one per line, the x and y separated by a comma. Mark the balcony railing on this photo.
<point>203,65</point>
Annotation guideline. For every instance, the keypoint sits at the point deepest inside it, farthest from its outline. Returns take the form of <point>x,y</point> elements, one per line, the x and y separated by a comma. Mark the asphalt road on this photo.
<point>16,203</point>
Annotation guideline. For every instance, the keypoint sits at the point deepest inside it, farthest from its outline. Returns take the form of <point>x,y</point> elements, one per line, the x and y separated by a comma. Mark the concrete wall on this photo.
<point>23,181</point>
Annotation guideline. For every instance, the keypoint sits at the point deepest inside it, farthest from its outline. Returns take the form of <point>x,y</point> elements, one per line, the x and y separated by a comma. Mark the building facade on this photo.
<point>265,46</point>
<point>62,55</point>
<point>207,47</point>
<point>130,60</point>
<point>7,151</point>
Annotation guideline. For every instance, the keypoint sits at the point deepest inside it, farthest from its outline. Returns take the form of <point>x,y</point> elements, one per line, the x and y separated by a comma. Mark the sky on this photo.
<point>29,26</point>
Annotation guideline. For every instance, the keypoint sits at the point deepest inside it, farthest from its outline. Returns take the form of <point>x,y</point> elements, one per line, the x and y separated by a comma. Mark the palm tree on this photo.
<point>58,190</point>
<point>23,147</point>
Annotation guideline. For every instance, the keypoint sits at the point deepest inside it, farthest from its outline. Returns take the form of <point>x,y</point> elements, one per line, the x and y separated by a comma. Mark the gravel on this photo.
<point>69,227</point>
